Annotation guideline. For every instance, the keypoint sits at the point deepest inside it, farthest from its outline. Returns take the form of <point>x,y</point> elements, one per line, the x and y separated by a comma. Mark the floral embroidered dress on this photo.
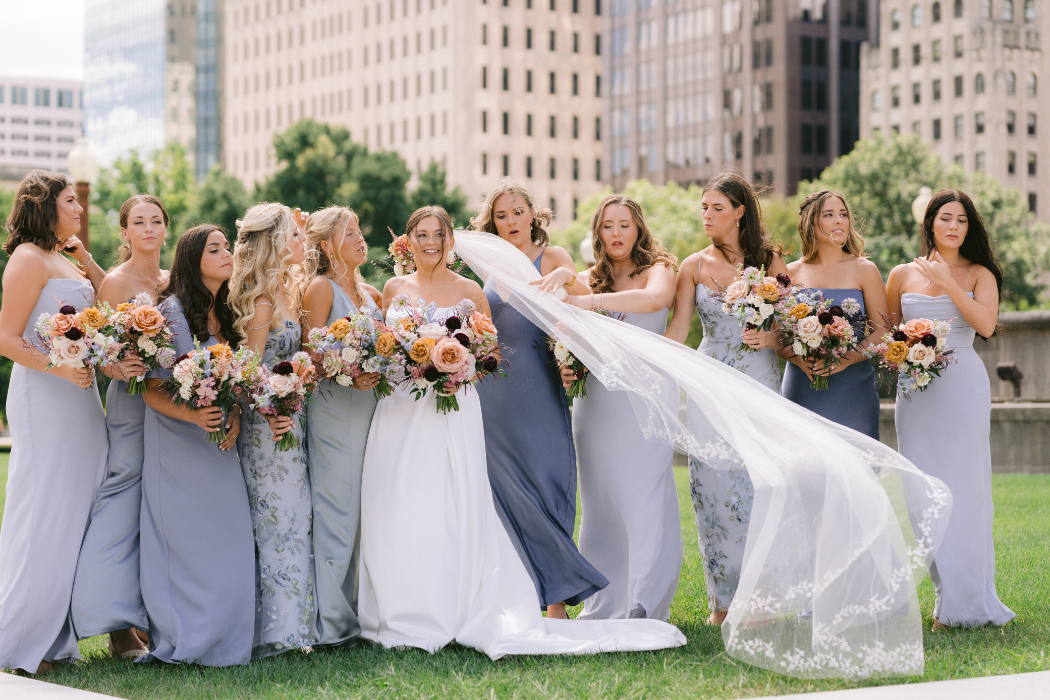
<point>722,492</point>
<point>279,494</point>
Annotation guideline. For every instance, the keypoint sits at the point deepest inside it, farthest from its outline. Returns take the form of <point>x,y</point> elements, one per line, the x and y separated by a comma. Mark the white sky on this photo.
<point>42,39</point>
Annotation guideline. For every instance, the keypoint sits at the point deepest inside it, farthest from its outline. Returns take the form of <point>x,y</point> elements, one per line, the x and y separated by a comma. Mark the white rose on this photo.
<point>766,310</point>
<point>922,380</point>
<point>350,354</point>
<point>72,352</point>
<point>398,271</point>
<point>283,385</point>
<point>809,330</point>
<point>798,349</point>
<point>437,331</point>
<point>562,353</point>
<point>343,380</point>
<point>186,392</point>
<point>921,355</point>
<point>147,345</point>
<point>371,364</point>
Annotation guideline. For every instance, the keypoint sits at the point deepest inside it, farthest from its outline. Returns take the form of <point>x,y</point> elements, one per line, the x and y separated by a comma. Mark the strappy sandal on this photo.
<point>131,654</point>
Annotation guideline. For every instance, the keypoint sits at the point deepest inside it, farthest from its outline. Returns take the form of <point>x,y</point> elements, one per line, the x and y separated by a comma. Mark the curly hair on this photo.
<point>34,214</point>
<point>754,237</point>
<point>259,266</point>
<point>186,285</point>
<point>809,224</point>
<point>541,216</point>
<point>327,225</point>
<point>647,250</point>
<point>124,252</point>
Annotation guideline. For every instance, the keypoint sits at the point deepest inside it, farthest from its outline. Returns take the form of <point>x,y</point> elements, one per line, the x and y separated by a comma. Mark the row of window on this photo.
<point>814,52</point>
<point>552,124</point>
<point>552,82</point>
<point>958,51</point>
<point>62,124</point>
<point>987,11</point>
<point>551,3</point>
<point>851,12</point>
<point>19,95</point>
<point>333,24</point>
<point>1009,81</point>
<point>40,138</point>
<point>552,167</point>
<point>979,125</point>
<point>22,153</point>
<point>552,40</point>
<point>265,45</point>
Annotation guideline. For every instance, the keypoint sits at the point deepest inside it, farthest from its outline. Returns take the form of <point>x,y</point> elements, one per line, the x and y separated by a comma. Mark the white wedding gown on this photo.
<point>437,564</point>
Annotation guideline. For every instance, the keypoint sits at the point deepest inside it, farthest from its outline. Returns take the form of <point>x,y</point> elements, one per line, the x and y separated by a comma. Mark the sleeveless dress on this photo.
<point>852,398</point>
<point>437,564</point>
<point>58,461</point>
<point>337,429</point>
<point>532,459</point>
<point>944,432</point>
<point>723,493</point>
<point>195,541</point>
<point>279,497</point>
<point>631,529</point>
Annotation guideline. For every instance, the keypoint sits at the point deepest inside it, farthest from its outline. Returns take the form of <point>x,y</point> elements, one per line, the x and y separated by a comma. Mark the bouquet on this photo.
<point>404,262</point>
<point>353,346</point>
<point>74,338</point>
<point>816,330</point>
<point>913,353</point>
<point>284,391</point>
<point>213,376</point>
<point>450,353</point>
<point>578,388</point>
<point>753,299</point>
<point>138,325</point>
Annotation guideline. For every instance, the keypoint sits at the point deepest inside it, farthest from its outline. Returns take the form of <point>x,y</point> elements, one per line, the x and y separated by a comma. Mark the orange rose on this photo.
<point>769,291</point>
<point>147,320</point>
<point>799,311</point>
<point>917,328</point>
<point>385,344</point>
<point>480,323</point>
<point>60,323</point>
<point>125,306</point>
<point>221,352</point>
<point>92,317</point>
<point>420,351</point>
<point>339,329</point>
<point>896,352</point>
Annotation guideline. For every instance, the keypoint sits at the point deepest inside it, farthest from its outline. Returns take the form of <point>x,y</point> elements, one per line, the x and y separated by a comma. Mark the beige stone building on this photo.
<point>968,76</point>
<point>40,121</point>
<point>487,87</point>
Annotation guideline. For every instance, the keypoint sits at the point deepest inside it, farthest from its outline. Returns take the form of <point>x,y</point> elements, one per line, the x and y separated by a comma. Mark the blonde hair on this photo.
<point>647,250</point>
<point>327,225</point>
<point>809,223</point>
<point>258,261</point>
<point>541,216</point>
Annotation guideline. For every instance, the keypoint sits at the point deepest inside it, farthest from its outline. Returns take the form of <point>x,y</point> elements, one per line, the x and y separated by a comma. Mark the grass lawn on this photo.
<point>700,669</point>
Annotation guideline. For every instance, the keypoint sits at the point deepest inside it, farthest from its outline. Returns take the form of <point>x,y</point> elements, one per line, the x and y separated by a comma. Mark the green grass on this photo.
<point>700,669</point>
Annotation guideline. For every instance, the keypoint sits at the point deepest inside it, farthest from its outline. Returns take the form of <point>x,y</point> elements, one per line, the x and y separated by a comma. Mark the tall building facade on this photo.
<point>40,121</point>
<point>966,75</point>
<point>151,77</point>
<point>489,88</point>
<point>767,88</point>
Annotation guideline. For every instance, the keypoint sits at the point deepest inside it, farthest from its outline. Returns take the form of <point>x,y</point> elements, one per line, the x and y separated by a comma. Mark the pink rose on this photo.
<point>60,323</point>
<point>735,291</point>
<point>283,384</point>
<point>917,328</point>
<point>449,355</point>
<point>921,355</point>
<point>839,328</point>
<point>71,352</point>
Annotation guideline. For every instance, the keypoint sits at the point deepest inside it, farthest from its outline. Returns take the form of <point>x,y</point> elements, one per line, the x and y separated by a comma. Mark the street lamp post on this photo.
<point>918,207</point>
<point>83,167</point>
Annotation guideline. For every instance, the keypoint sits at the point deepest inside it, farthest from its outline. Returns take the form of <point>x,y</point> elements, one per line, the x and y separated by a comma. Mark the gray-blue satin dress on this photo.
<point>852,398</point>
<point>532,459</point>
<point>338,420</point>
<point>196,542</point>
<point>106,592</point>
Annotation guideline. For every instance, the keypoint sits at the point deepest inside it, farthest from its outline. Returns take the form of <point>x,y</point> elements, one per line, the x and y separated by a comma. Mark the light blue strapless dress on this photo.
<point>723,493</point>
<point>944,432</point>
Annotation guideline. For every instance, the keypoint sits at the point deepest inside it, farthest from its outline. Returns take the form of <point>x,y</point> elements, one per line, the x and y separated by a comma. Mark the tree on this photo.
<point>221,199</point>
<point>316,161</point>
<point>433,191</point>
<point>376,192</point>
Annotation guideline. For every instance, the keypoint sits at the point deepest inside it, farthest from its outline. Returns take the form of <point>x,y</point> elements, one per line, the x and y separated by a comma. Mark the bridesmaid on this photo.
<point>338,420</point>
<point>195,539</point>
<point>528,429</point>
<point>106,592</point>
<point>722,493</point>
<point>832,262</point>
<point>944,430</point>
<point>631,530</point>
<point>58,429</point>
<point>269,244</point>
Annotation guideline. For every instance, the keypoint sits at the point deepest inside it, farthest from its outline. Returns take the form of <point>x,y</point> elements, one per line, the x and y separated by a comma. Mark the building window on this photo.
<point>1031,123</point>
<point>936,129</point>
<point>575,84</point>
<point>806,95</point>
<point>552,40</point>
<point>807,138</point>
<point>959,160</point>
<point>575,168</point>
<point>807,51</point>
<point>597,128</point>
<point>958,11</point>
<point>916,16</point>
<point>978,161</point>
<point>506,36</point>
<point>895,96</point>
<point>575,127</point>
<point>769,139</point>
<point>528,124</point>
<point>506,123</point>
<point>916,93</point>
<point>936,13</point>
<point>553,127</point>
<point>575,42</point>
<point>1031,202</point>
<point>957,45</point>
<point>978,84</point>
<point>553,169</point>
<point>484,121</point>
<point>916,128</point>
<point>1011,122</point>
<point>895,58</point>
<point>978,123</point>
<point>1031,164</point>
<point>958,86</point>
<point>552,83</point>
<point>598,169</point>
<point>1010,82</point>
<point>528,37</point>
<point>876,101</point>
<point>937,90</point>
<point>895,20</point>
<point>506,79</point>
<point>959,126</point>
<point>1008,10</point>
<point>820,139</point>
<point>916,54</point>
<point>820,96</point>
<point>528,81</point>
<point>484,163</point>
<point>1011,162</point>
<point>935,51</point>
<point>506,165</point>
<point>528,166</point>
<point>1029,16</point>
<point>41,97</point>
<point>1032,85</point>
<point>484,79</point>
<point>820,52</point>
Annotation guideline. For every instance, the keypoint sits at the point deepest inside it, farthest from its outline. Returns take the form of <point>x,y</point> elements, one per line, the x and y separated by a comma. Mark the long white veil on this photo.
<point>842,527</point>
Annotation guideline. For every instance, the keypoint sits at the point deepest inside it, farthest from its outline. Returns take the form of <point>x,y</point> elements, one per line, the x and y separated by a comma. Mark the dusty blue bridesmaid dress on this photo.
<point>852,398</point>
<point>196,543</point>
<point>944,432</point>
<point>532,459</point>
<point>338,420</point>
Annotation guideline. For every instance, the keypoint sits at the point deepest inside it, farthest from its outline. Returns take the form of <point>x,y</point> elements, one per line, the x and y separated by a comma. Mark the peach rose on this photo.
<point>921,355</point>
<point>420,351</point>
<point>147,320</point>
<point>839,328</point>
<point>917,328</point>
<point>72,352</point>
<point>385,344</point>
<point>60,323</point>
<point>480,323</point>
<point>283,385</point>
<point>449,356</point>
<point>896,352</point>
<point>92,317</point>
<point>736,290</point>
<point>435,330</point>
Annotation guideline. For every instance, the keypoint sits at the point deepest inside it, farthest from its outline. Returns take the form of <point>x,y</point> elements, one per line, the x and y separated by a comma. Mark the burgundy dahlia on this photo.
<point>431,374</point>
<point>490,364</point>
<point>900,336</point>
<point>784,279</point>
<point>929,340</point>
<point>453,323</point>
<point>825,318</point>
<point>463,339</point>
<point>836,311</point>
<point>283,368</point>
<point>67,309</point>
<point>74,334</point>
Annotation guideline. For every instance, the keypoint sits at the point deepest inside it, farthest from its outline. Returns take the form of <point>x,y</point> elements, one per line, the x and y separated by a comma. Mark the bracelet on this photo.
<point>601,301</point>
<point>592,301</point>
<point>91,258</point>
<point>572,281</point>
<point>954,284</point>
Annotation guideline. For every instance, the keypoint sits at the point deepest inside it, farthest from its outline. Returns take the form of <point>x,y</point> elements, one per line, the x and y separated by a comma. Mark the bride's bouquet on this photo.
<point>284,391</point>
<point>754,299</point>
<point>140,326</point>
<point>356,345</point>
<point>74,338</point>
<point>213,376</point>
<point>913,353</point>
<point>445,354</point>
<point>816,330</point>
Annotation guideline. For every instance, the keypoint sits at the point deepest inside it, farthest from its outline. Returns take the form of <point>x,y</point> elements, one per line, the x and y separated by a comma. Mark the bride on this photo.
<point>436,563</point>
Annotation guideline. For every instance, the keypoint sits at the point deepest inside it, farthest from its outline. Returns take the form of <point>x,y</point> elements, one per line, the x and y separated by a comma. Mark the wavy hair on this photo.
<point>541,216</point>
<point>976,247</point>
<point>647,250</point>
<point>124,252</point>
<point>188,286</point>
<point>34,213</point>
<point>809,224</point>
<point>259,265</point>
<point>327,225</point>
<point>438,213</point>
<point>754,236</point>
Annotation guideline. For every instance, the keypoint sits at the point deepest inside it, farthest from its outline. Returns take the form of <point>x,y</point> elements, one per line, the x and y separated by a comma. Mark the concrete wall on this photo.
<point>1025,341</point>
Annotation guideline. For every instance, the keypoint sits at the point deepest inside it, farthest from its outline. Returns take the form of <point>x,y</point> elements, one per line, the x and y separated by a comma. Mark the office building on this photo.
<point>40,121</point>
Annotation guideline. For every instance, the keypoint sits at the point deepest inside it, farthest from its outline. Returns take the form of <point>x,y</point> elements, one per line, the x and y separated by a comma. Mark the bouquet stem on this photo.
<point>447,403</point>
<point>819,382</point>
<point>220,434</point>
<point>136,385</point>
<point>382,389</point>
<point>286,442</point>
<point>578,389</point>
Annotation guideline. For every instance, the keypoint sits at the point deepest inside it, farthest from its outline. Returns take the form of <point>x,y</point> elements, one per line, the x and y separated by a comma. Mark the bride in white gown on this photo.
<point>437,564</point>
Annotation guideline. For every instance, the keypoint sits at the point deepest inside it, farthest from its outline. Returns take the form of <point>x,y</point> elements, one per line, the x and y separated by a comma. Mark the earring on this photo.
<point>738,223</point>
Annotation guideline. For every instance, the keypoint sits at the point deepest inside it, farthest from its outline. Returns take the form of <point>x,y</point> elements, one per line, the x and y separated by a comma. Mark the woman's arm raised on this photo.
<point>684,299</point>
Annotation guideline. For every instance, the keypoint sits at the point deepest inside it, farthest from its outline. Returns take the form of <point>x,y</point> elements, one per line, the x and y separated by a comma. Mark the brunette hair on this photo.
<point>754,237</point>
<point>34,214</point>
<point>647,250</point>
<point>976,247</point>
<point>124,252</point>
<point>541,216</point>
<point>328,224</point>
<point>437,212</point>
<point>809,223</point>
<point>188,286</point>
